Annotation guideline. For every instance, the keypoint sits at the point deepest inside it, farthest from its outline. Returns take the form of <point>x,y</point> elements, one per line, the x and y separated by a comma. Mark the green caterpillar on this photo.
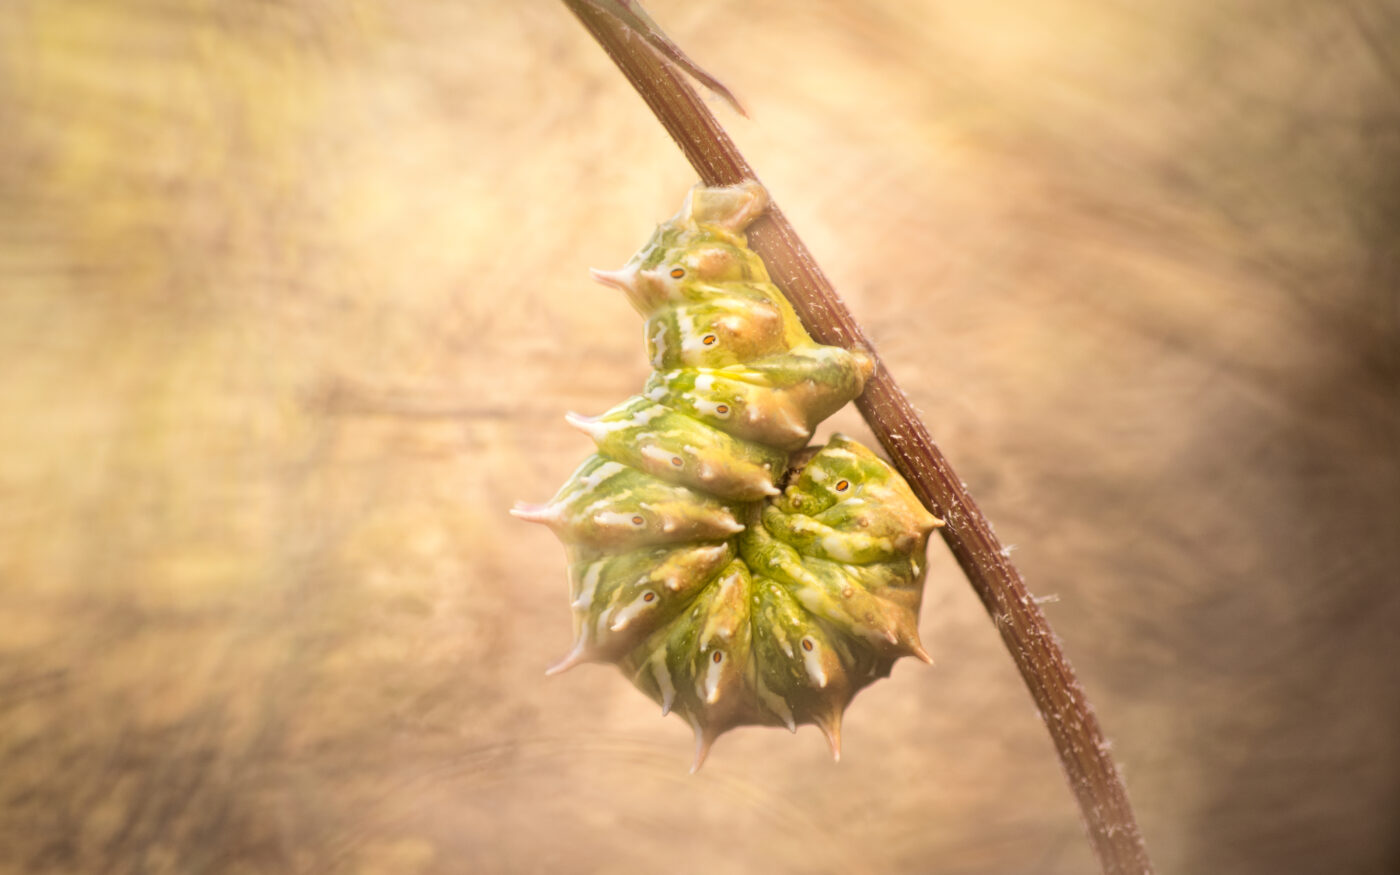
<point>735,577</point>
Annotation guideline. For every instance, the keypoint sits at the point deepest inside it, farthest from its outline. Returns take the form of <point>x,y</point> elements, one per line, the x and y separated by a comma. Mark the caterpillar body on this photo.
<point>734,576</point>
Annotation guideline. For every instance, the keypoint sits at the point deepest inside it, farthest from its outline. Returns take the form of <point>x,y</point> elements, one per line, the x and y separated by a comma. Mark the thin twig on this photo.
<point>1097,784</point>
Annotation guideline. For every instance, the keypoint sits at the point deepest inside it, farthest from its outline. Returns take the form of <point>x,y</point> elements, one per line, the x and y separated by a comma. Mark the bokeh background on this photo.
<point>293,297</point>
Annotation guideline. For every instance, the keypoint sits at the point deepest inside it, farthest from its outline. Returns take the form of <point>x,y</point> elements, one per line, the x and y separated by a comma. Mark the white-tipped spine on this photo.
<point>548,514</point>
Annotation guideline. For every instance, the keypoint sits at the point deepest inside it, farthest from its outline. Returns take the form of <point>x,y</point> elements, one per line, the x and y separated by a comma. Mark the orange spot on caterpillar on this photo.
<point>807,644</point>
<point>649,597</point>
<point>718,657</point>
<point>677,273</point>
<point>709,340</point>
<point>721,409</point>
<point>637,520</point>
<point>843,485</point>
<point>676,460</point>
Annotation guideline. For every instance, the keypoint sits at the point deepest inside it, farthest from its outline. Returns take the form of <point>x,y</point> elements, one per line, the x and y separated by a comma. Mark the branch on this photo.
<point>1097,784</point>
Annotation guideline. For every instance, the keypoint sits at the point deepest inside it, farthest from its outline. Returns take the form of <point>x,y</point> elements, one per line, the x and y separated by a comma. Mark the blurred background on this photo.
<point>293,296</point>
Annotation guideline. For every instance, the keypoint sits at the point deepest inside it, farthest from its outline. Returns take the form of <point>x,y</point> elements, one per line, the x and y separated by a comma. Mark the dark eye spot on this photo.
<point>709,340</point>
<point>722,409</point>
<point>807,644</point>
<point>718,657</point>
<point>649,597</point>
<point>843,485</point>
<point>677,272</point>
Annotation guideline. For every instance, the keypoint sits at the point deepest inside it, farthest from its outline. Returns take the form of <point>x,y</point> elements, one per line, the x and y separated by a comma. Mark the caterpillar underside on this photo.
<point>736,577</point>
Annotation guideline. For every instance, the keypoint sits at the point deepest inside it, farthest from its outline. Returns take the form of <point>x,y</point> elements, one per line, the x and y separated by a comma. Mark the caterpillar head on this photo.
<point>844,484</point>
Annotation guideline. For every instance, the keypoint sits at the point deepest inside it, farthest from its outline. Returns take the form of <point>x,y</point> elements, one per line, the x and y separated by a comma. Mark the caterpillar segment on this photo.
<point>735,577</point>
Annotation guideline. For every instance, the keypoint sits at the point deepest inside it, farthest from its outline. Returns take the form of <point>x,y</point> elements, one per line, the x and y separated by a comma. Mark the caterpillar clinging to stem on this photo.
<point>736,577</point>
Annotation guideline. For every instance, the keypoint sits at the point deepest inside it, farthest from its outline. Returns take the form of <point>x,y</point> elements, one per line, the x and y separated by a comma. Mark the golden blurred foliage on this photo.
<point>293,295</point>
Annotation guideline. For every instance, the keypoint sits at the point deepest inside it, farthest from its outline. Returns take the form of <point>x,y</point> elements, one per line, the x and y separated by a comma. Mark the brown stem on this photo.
<point>1097,785</point>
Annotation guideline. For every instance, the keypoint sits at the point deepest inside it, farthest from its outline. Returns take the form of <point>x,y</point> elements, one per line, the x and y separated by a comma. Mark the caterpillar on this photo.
<point>734,576</point>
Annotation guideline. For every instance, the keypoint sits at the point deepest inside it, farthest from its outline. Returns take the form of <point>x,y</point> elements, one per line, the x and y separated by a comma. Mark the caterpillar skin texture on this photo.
<point>735,577</point>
